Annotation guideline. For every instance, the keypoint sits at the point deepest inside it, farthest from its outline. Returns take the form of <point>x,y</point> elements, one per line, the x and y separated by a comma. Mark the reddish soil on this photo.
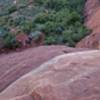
<point>92,21</point>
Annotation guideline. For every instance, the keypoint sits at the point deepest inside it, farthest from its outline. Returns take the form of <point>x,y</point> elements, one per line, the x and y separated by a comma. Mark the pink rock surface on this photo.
<point>92,21</point>
<point>14,65</point>
<point>73,76</point>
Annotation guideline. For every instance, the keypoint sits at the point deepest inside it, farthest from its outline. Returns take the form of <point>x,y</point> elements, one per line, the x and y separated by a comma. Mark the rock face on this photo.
<point>92,21</point>
<point>14,65</point>
<point>73,76</point>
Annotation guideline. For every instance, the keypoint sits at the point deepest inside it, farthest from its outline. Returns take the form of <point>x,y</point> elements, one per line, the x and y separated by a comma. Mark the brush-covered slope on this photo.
<point>60,20</point>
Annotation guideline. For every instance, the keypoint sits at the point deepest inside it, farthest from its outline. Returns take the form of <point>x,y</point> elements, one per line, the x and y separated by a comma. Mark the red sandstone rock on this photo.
<point>92,21</point>
<point>22,37</point>
<point>73,76</point>
<point>29,41</point>
<point>14,65</point>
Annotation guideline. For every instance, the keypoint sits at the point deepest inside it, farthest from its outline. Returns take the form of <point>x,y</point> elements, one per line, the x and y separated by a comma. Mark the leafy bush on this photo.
<point>10,41</point>
<point>7,40</point>
<point>41,18</point>
<point>12,9</point>
<point>26,26</point>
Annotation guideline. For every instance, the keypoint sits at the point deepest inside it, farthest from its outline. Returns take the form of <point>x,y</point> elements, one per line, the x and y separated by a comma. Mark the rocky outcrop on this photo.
<point>14,65</point>
<point>26,41</point>
<point>92,21</point>
<point>73,76</point>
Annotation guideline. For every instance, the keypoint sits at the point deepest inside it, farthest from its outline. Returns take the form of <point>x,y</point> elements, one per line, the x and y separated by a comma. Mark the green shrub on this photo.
<point>12,9</point>
<point>41,18</point>
<point>56,4</point>
<point>26,26</point>
<point>9,41</point>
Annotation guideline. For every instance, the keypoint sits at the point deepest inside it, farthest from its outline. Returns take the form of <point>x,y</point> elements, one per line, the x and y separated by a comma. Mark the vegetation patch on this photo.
<point>60,20</point>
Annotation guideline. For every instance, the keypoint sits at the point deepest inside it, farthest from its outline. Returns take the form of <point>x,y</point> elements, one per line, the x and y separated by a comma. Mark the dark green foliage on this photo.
<point>10,41</point>
<point>60,20</point>
<point>63,21</point>
<point>26,26</point>
<point>12,9</point>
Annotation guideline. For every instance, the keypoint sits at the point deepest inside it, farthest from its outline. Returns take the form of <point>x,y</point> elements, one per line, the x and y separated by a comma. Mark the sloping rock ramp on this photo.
<point>73,76</point>
<point>14,65</point>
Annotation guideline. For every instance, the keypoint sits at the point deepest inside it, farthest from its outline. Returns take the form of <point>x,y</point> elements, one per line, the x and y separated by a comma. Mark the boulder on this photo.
<point>73,76</point>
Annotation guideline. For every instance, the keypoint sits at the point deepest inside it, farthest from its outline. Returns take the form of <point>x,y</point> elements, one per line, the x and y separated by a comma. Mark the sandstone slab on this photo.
<point>14,65</point>
<point>73,76</point>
